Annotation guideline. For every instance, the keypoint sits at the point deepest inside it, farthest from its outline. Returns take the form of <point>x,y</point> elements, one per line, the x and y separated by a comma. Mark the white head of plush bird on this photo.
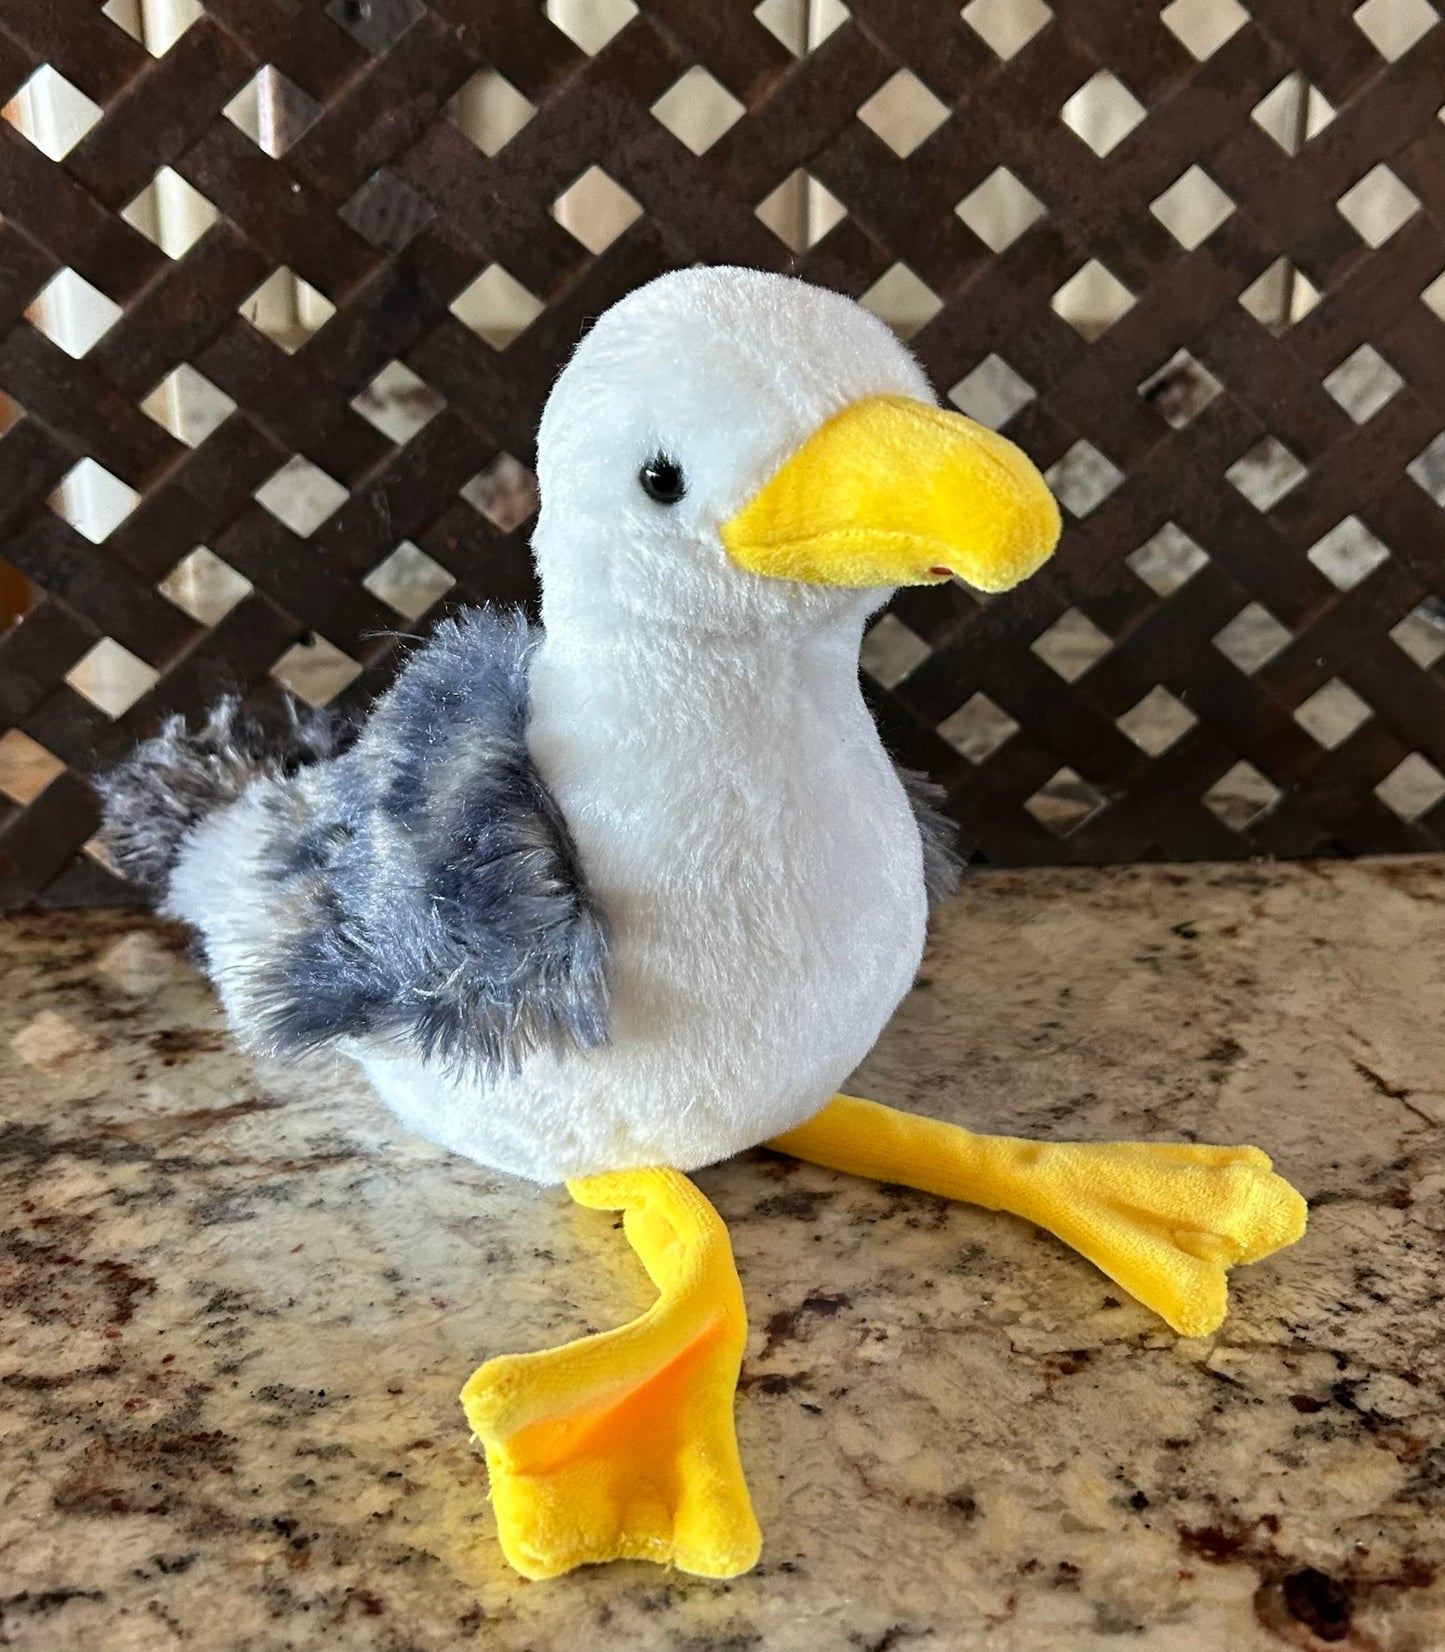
<point>616,900</point>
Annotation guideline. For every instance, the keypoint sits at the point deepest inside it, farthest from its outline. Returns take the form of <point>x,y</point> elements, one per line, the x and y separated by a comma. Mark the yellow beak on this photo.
<point>893,491</point>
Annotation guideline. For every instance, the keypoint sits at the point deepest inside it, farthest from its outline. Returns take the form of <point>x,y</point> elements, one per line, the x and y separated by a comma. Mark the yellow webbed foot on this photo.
<point>1165,1221</point>
<point>622,1445</point>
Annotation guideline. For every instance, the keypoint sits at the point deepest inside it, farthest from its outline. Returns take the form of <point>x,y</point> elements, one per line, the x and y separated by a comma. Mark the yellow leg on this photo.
<point>621,1445</point>
<point>1165,1221</point>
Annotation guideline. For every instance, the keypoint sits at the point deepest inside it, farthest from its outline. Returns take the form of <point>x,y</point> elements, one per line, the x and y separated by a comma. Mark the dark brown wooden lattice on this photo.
<point>385,207</point>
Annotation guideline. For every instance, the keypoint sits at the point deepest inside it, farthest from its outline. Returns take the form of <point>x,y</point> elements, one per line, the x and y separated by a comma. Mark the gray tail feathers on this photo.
<point>172,781</point>
<point>942,862</point>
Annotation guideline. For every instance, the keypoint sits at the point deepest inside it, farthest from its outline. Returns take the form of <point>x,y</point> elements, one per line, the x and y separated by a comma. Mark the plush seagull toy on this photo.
<point>613,900</point>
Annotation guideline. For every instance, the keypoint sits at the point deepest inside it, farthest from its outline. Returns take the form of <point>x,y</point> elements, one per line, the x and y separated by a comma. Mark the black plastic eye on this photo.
<point>662,479</point>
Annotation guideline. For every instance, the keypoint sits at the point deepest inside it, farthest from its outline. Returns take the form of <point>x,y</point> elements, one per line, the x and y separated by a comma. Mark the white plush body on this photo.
<point>703,730</point>
<point>764,881</point>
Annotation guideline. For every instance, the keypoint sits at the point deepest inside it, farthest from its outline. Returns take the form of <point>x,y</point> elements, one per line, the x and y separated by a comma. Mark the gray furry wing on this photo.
<point>428,889</point>
<point>942,862</point>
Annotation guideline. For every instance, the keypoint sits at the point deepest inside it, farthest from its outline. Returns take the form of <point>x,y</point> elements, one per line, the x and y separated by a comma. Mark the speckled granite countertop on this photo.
<point>239,1304</point>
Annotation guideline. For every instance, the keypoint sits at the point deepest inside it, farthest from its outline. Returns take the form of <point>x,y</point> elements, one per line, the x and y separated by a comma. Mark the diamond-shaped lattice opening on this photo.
<point>1083,478</point>
<point>1378,205</point>
<point>592,25</point>
<point>800,211</point>
<point>992,393</point>
<point>1000,209</point>
<point>71,313</point>
<point>111,677</point>
<point>1433,297</point>
<point>123,16</point>
<point>1348,553</point>
<point>595,210</point>
<point>187,404</point>
<point>1006,26</point>
<point>697,109</point>
<point>1092,300</point>
<point>1293,113</point>
<point>387,212</point>
<point>398,403</point>
<point>1421,634</point>
<point>1064,802</point>
<point>1427,469</point>
<point>1251,639</point>
<point>409,581</point>
<point>1103,112</point>
<point>1412,788</point>
<point>505,492</point>
<point>204,587</point>
<point>1393,26</point>
<point>1167,561</point>
<point>978,728</point>
<point>315,670</point>
<point>95,850</point>
<point>902,300</point>
<point>286,308</point>
<point>1181,389</point>
<point>1203,26</point>
<point>890,651</point>
<point>92,501</point>
<point>1156,722</point>
<point>903,112</point>
<point>272,110</point>
<point>1332,714</point>
<point>1071,645</point>
<point>171,213</point>
<point>51,112</point>
<point>301,495</point>
<point>1192,207</point>
<point>801,30</point>
<point>1280,297</point>
<point>1240,796</point>
<point>375,26</point>
<point>490,111</point>
<point>1266,473</point>
<point>496,307</point>
<point>164,25</point>
<point>26,767</point>
<point>1363,382</point>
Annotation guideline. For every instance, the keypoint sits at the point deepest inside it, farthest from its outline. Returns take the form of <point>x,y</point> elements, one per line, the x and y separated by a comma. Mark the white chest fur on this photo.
<point>757,859</point>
